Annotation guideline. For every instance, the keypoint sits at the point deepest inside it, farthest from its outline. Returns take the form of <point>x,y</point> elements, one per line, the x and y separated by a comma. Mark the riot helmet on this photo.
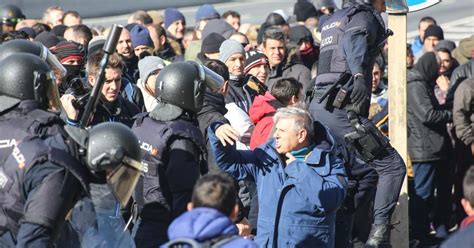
<point>24,46</point>
<point>183,84</point>
<point>10,15</point>
<point>112,151</point>
<point>24,76</point>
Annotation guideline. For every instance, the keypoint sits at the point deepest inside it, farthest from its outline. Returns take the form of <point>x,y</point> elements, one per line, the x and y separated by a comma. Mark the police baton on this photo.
<point>109,48</point>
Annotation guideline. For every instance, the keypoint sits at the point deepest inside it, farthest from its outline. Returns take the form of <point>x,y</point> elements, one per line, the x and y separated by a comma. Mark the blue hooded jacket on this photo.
<point>202,224</point>
<point>297,202</point>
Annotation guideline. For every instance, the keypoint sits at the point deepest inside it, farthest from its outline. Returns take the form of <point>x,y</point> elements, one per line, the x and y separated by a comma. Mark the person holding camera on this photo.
<point>112,107</point>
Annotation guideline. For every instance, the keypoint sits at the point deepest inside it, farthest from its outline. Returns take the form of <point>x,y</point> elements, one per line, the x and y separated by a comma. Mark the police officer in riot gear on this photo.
<point>350,41</point>
<point>29,101</point>
<point>174,148</point>
<point>40,184</point>
<point>10,15</point>
<point>25,46</point>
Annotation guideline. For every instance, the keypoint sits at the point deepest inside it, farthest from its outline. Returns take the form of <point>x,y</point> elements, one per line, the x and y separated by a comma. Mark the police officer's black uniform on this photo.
<point>43,177</point>
<point>174,148</point>
<point>350,41</point>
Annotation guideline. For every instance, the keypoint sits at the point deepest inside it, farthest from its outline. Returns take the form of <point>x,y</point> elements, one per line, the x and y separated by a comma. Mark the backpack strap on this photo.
<point>182,243</point>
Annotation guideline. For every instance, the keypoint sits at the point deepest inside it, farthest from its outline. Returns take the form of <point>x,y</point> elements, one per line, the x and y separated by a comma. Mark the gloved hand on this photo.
<point>360,93</point>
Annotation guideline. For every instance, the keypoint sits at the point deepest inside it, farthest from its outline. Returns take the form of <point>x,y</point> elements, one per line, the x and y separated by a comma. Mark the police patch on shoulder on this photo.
<point>3,180</point>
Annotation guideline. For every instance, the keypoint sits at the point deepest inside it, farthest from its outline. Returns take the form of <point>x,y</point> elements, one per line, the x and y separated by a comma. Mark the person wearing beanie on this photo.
<point>275,19</point>
<point>433,34</point>
<point>256,64</point>
<point>175,23</point>
<point>206,12</point>
<point>306,14</point>
<point>218,26</point>
<point>96,44</point>
<point>141,40</point>
<point>71,55</point>
<point>232,53</point>
<point>301,42</point>
<point>465,51</point>
<point>48,39</point>
<point>210,47</point>
<point>149,68</point>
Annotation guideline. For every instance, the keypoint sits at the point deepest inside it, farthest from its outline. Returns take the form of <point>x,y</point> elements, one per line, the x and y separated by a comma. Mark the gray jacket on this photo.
<point>463,117</point>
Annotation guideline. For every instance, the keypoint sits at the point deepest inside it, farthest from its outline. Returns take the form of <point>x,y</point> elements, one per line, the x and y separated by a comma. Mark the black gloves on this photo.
<point>360,93</point>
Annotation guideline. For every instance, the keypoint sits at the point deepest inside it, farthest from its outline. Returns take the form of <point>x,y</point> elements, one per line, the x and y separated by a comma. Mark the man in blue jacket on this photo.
<point>300,179</point>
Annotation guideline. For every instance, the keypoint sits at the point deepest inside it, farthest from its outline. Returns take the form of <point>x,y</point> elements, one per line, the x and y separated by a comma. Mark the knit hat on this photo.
<point>304,10</point>
<point>95,45</point>
<point>206,12</point>
<point>59,30</point>
<point>212,43</point>
<point>130,26</point>
<point>228,48</point>
<point>435,31</point>
<point>254,58</point>
<point>66,50</point>
<point>48,39</point>
<point>282,13</point>
<point>148,65</point>
<point>172,15</point>
<point>140,36</point>
<point>298,33</point>
<point>465,50</point>
<point>218,26</point>
<point>29,31</point>
<point>446,44</point>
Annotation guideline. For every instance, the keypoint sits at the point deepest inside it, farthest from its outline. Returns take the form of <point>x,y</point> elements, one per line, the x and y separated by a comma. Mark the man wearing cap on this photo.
<point>141,41</point>
<point>175,24</point>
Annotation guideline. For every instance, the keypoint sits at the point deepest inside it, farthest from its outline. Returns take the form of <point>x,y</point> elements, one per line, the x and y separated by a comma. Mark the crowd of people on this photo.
<point>230,135</point>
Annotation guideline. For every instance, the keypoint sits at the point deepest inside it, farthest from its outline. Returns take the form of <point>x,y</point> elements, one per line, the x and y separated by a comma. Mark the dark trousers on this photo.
<point>427,177</point>
<point>150,233</point>
<point>389,165</point>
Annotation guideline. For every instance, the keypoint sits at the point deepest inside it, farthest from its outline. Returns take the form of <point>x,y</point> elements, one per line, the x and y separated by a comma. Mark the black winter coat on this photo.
<point>428,139</point>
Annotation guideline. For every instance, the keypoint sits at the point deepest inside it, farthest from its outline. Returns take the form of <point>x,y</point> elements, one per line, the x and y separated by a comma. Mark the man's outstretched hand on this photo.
<point>227,134</point>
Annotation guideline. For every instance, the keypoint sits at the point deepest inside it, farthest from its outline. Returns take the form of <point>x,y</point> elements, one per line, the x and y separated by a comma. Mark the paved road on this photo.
<point>455,16</point>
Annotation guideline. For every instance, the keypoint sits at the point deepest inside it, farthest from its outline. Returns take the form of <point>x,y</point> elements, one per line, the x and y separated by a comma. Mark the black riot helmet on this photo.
<point>25,46</point>
<point>10,14</point>
<point>25,76</point>
<point>183,84</point>
<point>111,150</point>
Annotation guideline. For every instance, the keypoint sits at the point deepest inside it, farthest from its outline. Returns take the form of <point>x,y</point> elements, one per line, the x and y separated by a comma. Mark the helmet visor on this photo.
<point>46,91</point>
<point>123,179</point>
<point>212,80</point>
<point>52,61</point>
